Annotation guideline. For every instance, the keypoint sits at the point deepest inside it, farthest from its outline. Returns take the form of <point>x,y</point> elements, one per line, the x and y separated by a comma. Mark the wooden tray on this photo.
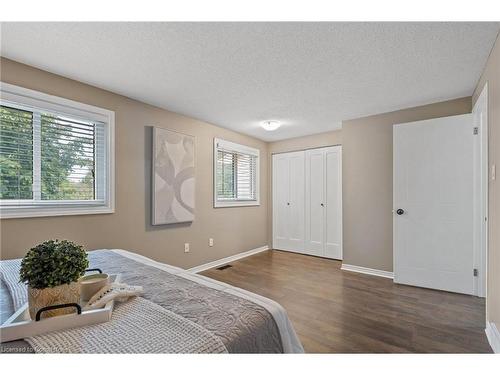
<point>20,325</point>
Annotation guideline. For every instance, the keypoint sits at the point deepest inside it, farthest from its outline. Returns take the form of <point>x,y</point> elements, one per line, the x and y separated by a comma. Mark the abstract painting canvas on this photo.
<point>173,177</point>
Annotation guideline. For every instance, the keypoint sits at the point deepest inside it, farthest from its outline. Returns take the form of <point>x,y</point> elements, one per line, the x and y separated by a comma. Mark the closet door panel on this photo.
<point>333,202</point>
<point>307,202</point>
<point>315,213</point>
<point>281,181</point>
<point>296,218</point>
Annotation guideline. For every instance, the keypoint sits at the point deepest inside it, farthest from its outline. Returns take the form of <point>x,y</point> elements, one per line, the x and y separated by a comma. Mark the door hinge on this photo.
<point>476,272</point>
<point>475,131</point>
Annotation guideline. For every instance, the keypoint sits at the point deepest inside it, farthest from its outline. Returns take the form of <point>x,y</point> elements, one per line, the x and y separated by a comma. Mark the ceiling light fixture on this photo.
<point>271,125</point>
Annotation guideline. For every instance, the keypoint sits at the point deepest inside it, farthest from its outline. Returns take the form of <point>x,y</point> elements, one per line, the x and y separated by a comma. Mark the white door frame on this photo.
<point>481,193</point>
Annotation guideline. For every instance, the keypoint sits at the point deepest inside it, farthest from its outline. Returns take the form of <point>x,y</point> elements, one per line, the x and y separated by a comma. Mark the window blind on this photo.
<point>236,175</point>
<point>56,155</point>
<point>50,157</point>
<point>16,153</point>
<point>67,158</point>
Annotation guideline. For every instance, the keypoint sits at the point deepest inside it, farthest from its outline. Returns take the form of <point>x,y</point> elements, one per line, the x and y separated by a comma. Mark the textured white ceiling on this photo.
<point>309,76</point>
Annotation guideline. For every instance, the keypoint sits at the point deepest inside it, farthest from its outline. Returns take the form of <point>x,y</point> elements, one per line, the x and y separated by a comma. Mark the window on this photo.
<point>236,180</point>
<point>56,155</point>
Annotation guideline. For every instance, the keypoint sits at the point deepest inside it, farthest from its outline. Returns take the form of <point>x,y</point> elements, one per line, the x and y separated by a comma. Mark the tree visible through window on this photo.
<point>45,156</point>
<point>225,175</point>
<point>67,159</point>
<point>16,154</point>
<point>236,174</point>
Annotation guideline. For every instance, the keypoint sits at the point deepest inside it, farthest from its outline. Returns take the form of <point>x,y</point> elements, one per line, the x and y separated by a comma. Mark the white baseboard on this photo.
<point>368,271</point>
<point>493,336</point>
<point>232,258</point>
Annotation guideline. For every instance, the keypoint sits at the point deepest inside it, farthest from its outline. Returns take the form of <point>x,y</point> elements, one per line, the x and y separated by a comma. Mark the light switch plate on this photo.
<point>186,247</point>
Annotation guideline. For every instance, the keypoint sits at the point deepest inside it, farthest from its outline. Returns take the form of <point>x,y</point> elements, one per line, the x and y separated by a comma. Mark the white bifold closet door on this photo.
<point>324,202</point>
<point>333,203</point>
<point>307,202</point>
<point>288,198</point>
<point>315,202</point>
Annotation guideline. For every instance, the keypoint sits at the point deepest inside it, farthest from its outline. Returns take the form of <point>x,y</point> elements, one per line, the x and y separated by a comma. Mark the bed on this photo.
<point>184,313</point>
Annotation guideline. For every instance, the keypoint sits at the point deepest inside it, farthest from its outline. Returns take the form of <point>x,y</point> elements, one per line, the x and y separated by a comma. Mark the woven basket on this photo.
<point>39,298</point>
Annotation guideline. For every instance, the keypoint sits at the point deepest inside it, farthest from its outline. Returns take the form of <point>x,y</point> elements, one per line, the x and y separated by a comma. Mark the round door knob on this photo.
<point>322,205</point>
<point>400,211</point>
<point>288,203</point>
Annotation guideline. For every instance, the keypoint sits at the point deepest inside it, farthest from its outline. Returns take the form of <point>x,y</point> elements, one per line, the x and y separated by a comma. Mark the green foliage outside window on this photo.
<point>16,154</point>
<point>67,162</point>
<point>226,188</point>
<point>67,157</point>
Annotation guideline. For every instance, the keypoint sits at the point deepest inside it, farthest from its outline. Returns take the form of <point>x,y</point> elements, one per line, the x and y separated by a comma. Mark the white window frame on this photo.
<point>30,99</point>
<point>231,146</point>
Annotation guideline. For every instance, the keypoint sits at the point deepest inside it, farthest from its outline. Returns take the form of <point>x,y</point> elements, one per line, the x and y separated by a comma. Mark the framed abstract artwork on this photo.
<point>173,184</point>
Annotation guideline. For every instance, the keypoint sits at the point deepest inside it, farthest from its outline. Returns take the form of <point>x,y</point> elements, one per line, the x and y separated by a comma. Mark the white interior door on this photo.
<point>296,202</point>
<point>333,202</point>
<point>315,202</point>
<point>433,189</point>
<point>281,180</point>
<point>288,201</point>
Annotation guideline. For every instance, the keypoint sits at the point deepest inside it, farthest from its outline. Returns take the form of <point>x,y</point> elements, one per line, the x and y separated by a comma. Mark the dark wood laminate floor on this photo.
<point>336,311</point>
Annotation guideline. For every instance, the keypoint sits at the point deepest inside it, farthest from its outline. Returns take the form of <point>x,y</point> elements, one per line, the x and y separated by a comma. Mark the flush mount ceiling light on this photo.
<point>271,125</point>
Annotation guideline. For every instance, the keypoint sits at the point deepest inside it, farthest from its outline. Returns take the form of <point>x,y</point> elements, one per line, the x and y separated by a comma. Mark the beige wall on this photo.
<point>367,181</point>
<point>367,177</point>
<point>311,141</point>
<point>233,229</point>
<point>491,75</point>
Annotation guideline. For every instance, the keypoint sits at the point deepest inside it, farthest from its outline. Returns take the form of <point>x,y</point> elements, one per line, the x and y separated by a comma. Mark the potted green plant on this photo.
<point>51,270</point>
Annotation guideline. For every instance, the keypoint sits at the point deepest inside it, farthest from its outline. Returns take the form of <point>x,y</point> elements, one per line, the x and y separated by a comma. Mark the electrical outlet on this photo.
<point>210,242</point>
<point>186,247</point>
